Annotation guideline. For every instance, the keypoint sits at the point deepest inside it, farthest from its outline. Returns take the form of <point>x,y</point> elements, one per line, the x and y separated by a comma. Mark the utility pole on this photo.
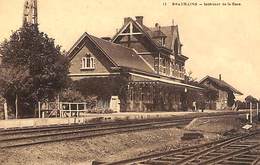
<point>251,113</point>
<point>5,110</point>
<point>16,106</point>
<point>257,110</point>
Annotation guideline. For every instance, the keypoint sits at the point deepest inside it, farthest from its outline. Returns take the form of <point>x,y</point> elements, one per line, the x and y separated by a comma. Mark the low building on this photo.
<point>225,92</point>
<point>141,68</point>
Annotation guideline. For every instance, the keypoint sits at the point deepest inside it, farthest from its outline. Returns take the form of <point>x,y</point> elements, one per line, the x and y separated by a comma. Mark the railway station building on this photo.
<point>139,69</point>
<point>225,93</point>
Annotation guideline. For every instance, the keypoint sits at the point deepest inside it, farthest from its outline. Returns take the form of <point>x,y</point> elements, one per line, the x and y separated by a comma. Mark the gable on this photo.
<point>110,56</point>
<point>133,35</point>
<point>219,84</point>
<point>100,64</point>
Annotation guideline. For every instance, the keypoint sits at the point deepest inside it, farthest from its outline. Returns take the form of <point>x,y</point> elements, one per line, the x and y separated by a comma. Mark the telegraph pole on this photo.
<point>257,110</point>
<point>251,113</point>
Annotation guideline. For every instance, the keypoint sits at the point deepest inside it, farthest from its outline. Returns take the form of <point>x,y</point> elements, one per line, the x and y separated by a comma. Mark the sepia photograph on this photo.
<point>133,82</point>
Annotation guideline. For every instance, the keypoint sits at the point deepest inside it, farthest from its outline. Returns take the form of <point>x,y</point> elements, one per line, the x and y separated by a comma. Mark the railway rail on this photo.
<point>31,136</point>
<point>25,130</point>
<point>240,150</point>
<point>17,139</point>
<point>29,130</point>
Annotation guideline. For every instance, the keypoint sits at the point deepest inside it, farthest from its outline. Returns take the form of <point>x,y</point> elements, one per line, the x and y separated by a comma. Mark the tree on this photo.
<point>231,99</point>
<point>251,99</point>
<point>12,80</point>
<point>33,54</point>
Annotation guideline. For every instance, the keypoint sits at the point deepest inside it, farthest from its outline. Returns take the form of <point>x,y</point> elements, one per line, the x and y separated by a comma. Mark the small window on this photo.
<point>88,63</point>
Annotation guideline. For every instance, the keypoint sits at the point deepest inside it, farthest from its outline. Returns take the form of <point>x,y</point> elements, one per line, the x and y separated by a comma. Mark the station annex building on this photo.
<point>139,69</point>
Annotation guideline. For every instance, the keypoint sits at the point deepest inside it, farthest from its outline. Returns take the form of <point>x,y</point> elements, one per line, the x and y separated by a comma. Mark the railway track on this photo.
<point>32,136</point>
<point>29,130</point>
<point>241,150</point>
<point>15,138</point>
<point>13,131</point>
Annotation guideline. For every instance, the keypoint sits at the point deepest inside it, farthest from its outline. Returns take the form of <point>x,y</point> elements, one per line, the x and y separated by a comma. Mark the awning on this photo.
<point>167,81</point>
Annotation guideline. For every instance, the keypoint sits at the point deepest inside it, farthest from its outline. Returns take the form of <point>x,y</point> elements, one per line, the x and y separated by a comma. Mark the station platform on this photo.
<point>92,118</point>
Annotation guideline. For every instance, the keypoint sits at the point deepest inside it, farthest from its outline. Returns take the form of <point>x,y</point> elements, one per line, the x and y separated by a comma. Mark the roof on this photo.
<point>120,55</point>
<point>169,31</point>
<point>175,83</point>
<point>221,84</point>
<point>146,31</point>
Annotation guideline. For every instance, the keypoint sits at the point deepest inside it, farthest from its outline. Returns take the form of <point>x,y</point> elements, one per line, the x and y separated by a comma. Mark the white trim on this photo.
<point>117,35</point>
<point>147,63</point>
<point>75,44</point>
<point>127,34</point>
<point>120,33</point>
<point>146,53</point>
<point>143,53</point>
<point>87,60</point>
<point>165,81</point>
<point>93,74</point>
<point>203,79</point>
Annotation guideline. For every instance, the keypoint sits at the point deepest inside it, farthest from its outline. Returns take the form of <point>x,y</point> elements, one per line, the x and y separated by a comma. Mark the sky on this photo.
<point>217,39</point>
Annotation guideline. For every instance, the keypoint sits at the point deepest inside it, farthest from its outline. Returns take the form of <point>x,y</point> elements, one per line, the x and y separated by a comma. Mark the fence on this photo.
<point>63,109</point>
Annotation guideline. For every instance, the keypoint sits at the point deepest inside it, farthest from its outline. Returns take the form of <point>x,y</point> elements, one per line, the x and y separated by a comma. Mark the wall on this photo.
<point>76,63</point>
<point>221,102</point>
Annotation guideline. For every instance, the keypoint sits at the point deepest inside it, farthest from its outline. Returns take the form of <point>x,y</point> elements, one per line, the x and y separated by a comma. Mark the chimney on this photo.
<point>106,38</point>
<point>172,27</point>
<point>139,19</point>
<point>220,77</point>
<point>157,26</point>
<point>126,20</point>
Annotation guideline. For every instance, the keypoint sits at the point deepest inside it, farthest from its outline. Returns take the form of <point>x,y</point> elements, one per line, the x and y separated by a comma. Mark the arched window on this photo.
<point>88,62</point>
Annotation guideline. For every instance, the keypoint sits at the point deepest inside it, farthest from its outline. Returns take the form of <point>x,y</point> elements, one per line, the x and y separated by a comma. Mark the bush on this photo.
<point>74,96</point>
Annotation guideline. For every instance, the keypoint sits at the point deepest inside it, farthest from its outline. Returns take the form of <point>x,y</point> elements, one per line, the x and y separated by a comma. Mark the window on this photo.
<point>163,41</point>
<point>88,63</point>
<point>163,65</point>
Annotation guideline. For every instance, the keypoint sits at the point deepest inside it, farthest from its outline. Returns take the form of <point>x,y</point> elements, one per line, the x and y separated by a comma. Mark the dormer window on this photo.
<point>88,62</point>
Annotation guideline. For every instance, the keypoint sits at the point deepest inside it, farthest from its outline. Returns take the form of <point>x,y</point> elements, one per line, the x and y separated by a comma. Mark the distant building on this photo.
<point>225,92</point>
<point>146,63</point>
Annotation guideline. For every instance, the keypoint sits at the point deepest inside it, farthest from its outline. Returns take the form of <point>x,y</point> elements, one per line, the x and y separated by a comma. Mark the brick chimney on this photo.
<point>126,20</point>
<point>219,77</point>
<point>139,19</point>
